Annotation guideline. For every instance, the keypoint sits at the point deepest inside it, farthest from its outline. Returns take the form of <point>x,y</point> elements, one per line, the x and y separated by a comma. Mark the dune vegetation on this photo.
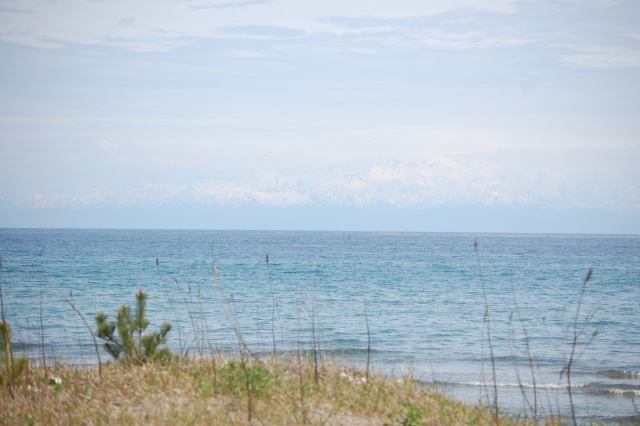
<point>219,390</point>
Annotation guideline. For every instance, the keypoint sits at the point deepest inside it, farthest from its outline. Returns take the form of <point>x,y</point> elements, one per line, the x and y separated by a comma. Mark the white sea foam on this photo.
<point>625,392</point>
<point>551,386</point>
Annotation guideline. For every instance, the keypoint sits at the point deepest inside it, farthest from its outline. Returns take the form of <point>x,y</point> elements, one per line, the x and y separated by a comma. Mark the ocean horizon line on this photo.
<point>374,232</point>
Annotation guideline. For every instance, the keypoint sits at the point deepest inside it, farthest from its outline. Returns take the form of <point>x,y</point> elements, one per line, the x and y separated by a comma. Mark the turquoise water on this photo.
<point>424,297</point>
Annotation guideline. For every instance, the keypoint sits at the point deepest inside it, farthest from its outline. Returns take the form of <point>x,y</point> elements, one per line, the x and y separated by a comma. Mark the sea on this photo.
<point>544,325</point>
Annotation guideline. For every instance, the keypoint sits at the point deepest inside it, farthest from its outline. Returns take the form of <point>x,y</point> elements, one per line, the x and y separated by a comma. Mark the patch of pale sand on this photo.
<point>352,420</point>
<point>326,417</point>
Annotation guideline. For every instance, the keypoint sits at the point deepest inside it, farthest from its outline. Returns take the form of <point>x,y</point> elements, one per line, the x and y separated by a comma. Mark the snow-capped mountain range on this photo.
<point>435,181</point>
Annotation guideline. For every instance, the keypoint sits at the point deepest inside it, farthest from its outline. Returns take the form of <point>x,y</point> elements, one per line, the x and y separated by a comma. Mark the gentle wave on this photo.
<point>552,386</point>
<point>615,390</point>
<point>620,374</point>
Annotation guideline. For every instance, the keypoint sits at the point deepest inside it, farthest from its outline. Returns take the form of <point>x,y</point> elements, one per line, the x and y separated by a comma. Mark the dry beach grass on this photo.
<point>219,391</point>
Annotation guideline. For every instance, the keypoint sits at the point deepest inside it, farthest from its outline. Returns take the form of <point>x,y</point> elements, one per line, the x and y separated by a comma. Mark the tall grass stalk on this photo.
<point>188,306</point>
<point>273,306</point>
<point>577,334</point>
<point>529,359</point>
<point>1,294</point>
<point>204,325</point>
<point>516,367</point>
<point>366,307</point>
<point>487,321</point>
<point>181,345</point>
<point>41,319</point>
<point>197,331</point>
<point>313,331</point>
<point>303,409</point>
<point>231,315</point>
<point>247,382</point>
<point>5,338</point>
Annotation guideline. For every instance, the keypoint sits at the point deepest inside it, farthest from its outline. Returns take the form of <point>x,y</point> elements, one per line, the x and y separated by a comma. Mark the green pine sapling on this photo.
<point>130,345</point>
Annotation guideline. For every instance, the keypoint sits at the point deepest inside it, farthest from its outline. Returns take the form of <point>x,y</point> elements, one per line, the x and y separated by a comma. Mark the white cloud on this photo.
<point>465,40</point>
<point>151,25</point>
<point>223,4</point>
<point>247,54</point>
<point>602,57</point>
<point>106,145</point>
<point>47,121</point>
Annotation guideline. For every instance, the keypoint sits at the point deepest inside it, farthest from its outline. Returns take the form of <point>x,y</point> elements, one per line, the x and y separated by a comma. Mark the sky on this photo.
<point>435,116</point>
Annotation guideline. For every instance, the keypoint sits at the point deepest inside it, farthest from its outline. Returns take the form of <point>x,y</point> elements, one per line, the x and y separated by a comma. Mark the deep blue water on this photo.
<point>425,297</point>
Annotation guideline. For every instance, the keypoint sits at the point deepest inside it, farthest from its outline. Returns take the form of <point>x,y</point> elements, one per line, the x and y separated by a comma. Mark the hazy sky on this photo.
<point>182,107</point>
